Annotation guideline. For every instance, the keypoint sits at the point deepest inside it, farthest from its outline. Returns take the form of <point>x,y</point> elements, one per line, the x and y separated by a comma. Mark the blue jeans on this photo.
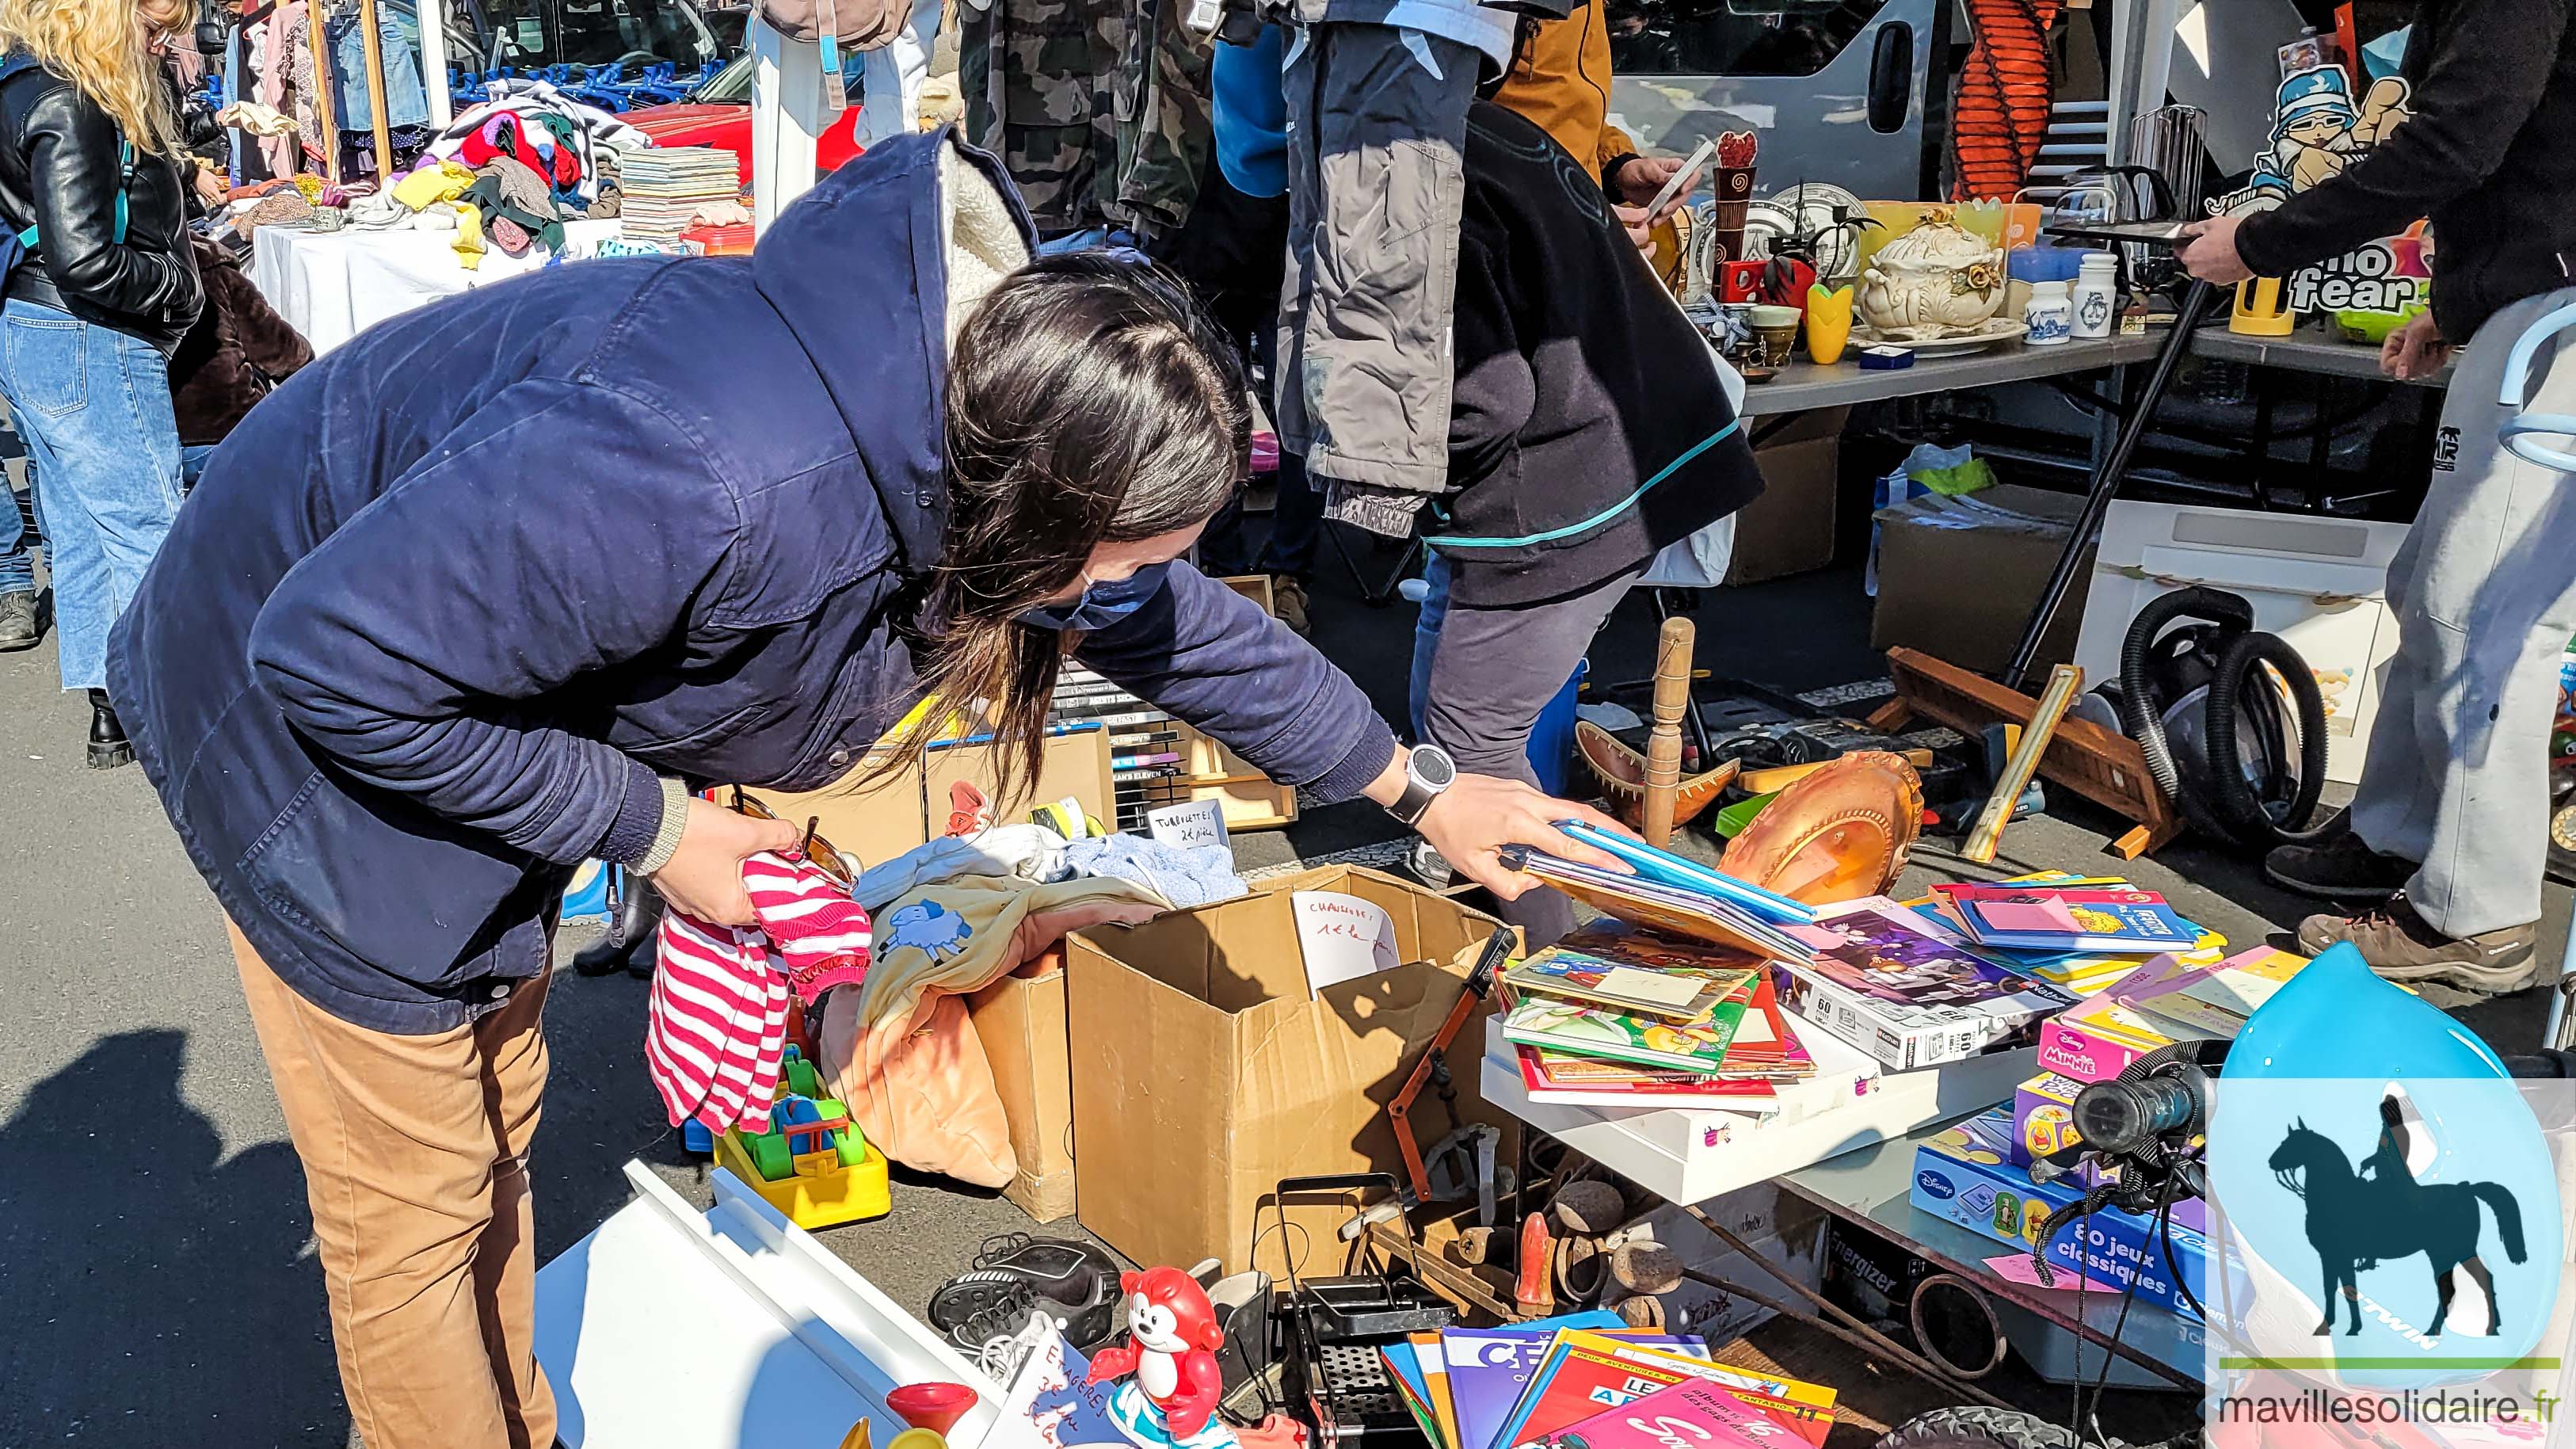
<point>93,406</point>
<point>192,464</point>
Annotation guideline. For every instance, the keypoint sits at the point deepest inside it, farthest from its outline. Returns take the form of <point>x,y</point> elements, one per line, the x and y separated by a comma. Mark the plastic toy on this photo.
<point>812,1164</point>
<point>934,1406</point>
<point>1171,1348</point>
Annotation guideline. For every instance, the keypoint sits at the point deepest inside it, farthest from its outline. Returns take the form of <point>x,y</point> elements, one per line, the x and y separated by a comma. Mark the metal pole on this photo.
<point>375,43</point>
<point>433,63</point>
<point>2106,482</point>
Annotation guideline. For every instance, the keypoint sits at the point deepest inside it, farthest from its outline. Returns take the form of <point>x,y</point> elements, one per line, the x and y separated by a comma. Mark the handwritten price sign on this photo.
<point>1342,938</point>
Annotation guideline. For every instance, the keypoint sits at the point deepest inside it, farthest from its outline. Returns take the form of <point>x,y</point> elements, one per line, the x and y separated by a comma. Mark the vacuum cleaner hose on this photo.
<point>2237,814</point>
<point>2141,708</point>
<point>2243,660</point>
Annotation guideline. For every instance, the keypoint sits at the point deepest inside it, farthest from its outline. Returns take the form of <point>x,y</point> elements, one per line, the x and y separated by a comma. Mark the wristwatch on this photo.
<point>1428,771</point>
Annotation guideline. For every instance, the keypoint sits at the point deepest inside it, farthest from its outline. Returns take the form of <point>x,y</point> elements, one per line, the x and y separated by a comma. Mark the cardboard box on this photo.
<point>1961,1175</point>
<point>2043,1119</point>
<point>909,810</point>
<point>1958,577</point>
<point>1203,1073</point>
<point>1789,529</point>
<point>1020,1019</point>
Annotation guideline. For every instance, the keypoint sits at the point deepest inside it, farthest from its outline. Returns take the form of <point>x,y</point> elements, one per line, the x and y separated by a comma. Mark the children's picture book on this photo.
<point>1488,1367</point>
<point>1635,972</point>
<point>1579,1030</point>
<point>2239,985</point>
<point>1691,915</point>
<point>2068,918</point>
<point>1666,868</point>
<point>1699,1415</point>
<point>1583,1373</point>
<point>1584,1082</point>
<point>1907,989</point>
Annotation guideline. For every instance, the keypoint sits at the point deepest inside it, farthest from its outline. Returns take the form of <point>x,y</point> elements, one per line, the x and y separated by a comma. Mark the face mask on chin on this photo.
<point>1101,605</point>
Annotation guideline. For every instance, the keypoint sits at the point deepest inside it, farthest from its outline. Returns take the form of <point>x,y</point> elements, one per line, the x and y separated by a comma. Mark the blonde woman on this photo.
<point>91,179</point>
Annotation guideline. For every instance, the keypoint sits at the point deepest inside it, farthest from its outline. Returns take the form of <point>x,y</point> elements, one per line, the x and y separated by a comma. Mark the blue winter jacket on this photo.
<point>448,600</point>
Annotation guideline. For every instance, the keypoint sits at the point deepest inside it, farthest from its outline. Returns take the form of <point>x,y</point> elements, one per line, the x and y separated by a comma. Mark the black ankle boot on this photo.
<point>108,747</point>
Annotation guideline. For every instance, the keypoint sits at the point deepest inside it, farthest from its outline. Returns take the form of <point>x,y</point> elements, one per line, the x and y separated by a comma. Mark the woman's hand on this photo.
<point>1474,819</point>
<point>2209,251</point>
<point>704,876</point>
<point>2415,350</point>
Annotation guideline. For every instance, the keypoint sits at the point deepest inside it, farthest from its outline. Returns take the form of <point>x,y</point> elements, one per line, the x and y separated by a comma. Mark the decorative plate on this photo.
<point>1992,331</point>
<point>1809,206</point>
<point>1839,834</point>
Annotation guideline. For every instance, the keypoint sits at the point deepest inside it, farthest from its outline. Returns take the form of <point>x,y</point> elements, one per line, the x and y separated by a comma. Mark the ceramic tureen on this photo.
<point>1938,280</point>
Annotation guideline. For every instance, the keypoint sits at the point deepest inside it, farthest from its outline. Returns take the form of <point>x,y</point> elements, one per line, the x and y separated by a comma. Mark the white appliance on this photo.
<point>2320,583</point>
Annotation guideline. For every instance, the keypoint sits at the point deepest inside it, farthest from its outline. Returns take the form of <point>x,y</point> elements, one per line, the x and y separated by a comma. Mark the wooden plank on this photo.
<point>2098,764</point>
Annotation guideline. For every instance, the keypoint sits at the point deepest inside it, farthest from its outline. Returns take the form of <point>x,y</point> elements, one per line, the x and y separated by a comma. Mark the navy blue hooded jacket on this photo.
<point>446,603</point>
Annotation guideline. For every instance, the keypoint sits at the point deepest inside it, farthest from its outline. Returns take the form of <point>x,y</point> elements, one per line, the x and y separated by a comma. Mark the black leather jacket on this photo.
<point>59,172</point>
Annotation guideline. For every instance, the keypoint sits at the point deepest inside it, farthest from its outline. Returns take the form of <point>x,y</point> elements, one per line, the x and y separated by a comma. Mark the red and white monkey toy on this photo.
<point>1172,1337</point>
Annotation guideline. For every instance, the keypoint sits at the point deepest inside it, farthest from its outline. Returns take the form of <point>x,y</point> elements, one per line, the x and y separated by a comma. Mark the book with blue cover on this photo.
<point>2064,918</point>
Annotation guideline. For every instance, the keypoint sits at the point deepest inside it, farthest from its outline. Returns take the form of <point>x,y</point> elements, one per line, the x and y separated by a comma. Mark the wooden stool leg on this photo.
<point>1664,740</point>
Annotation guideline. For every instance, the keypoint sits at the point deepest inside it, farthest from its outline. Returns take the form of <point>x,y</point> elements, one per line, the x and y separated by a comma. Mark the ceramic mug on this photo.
<point>1775,328</point>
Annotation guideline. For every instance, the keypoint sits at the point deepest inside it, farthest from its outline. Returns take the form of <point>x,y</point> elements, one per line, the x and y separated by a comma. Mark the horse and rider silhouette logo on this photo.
<point>2360,1218</point>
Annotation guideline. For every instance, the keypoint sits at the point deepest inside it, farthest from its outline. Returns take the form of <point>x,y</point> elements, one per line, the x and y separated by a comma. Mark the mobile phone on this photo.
<point>1683,178</point>
<point>2153,233</point>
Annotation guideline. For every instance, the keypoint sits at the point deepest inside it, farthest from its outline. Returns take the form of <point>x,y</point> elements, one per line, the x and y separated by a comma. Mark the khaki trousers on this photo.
<point>414,1151</point>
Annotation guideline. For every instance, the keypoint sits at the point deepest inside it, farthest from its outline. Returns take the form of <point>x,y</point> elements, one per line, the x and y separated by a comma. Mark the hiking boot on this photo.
<point>2338,866</point>
<point>2402,946</point>
<point>108,747</point>
<point>1288,601</point>
<point>19,628</point>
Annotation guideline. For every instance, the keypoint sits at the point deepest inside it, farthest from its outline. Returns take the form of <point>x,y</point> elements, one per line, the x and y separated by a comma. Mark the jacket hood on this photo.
<point>871,270</point>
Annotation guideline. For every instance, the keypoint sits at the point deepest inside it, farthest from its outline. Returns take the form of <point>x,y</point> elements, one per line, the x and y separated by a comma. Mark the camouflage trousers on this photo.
<point>1099,109</point>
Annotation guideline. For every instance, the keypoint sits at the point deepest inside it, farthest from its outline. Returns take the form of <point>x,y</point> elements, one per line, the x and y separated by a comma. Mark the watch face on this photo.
<point>1433,767</point>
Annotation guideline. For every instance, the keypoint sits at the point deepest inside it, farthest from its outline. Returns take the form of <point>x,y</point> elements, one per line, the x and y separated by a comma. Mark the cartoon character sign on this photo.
<point>1173,1337</point>
<point>2316,130</point>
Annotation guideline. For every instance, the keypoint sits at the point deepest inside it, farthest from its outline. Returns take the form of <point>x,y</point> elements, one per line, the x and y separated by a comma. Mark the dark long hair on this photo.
<point>1090,401</point>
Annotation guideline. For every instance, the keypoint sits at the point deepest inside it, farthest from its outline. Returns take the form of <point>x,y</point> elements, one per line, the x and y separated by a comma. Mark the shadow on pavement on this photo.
<point>157,1290</point>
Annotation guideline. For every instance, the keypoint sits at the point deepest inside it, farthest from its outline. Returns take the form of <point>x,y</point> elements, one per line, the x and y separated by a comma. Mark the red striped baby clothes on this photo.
<point>819,931</point>
<point>717,1024</point>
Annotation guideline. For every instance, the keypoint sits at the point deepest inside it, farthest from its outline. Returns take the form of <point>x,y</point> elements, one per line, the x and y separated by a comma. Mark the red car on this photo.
<point>719,115</point>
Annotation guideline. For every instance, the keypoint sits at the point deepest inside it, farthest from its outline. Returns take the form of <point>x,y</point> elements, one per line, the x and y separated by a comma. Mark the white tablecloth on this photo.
<point>334,285</point>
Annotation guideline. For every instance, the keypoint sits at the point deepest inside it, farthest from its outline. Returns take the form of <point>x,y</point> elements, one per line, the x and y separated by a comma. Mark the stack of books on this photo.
<point>1672,1003</point>
<point>1614,1016</point>
<point>2082,933</point>
<point>1575,1380</point>
<point>665,187</point>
